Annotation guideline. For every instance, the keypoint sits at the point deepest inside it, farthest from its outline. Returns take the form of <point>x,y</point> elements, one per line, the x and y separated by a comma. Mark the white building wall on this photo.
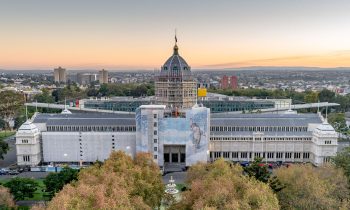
<point>85,146</point>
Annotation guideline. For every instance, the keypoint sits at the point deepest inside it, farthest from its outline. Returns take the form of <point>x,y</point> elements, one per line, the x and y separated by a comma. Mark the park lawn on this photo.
<point>39,194</point>
<point>6,134</point>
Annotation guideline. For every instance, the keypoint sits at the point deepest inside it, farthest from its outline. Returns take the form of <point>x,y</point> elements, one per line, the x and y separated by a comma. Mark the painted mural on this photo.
<point>191,131</point>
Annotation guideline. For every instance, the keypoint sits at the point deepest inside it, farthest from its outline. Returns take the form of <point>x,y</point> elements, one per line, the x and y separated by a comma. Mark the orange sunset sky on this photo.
<point>87,34</point>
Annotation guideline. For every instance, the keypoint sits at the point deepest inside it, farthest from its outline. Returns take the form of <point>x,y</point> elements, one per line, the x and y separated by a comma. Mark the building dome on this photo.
<point>28,128</point>
<point>176,67</point>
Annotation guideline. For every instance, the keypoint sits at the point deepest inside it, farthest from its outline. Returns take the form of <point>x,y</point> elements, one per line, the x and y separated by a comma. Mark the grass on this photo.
<point>39,194</point>
<point>5,134</point>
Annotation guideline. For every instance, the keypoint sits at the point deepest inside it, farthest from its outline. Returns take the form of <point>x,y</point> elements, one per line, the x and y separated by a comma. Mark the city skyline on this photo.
<point>140,35</point>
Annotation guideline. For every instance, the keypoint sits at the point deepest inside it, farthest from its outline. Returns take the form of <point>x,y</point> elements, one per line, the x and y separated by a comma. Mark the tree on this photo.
<point>311,97</point>
<point>337,120</point>
<point>258,170</point>
<point>326,95</point>
<point>4,147</point>
<point>220,185</point>
<point>342,160</point>
<point>44,97</point>
<point>120,183</point>
<point>6,199</point>
<point>21,188</point>
<point>308,187</point>
<point>10,105</point>
<point>54,182</point>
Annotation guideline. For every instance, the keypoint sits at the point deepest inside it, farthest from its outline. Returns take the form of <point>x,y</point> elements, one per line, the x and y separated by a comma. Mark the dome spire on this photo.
<point>176,48</point>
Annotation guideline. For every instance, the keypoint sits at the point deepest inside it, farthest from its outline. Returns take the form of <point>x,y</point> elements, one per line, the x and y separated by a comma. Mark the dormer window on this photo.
<point>175,68</point>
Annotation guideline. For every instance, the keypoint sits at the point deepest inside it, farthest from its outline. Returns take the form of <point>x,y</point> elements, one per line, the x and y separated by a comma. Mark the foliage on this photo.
<point>258,170</point>
<point>342,160</point>
<point>337,120</point>
<point>21,188</point>
<point>220,185</point>
<point>4,147</point>
<point>54,182</point>
<point>308,187</point>
<point>44,97</point>
<point>6,199</point>
<point>120,183</point>
<point>10,104</point>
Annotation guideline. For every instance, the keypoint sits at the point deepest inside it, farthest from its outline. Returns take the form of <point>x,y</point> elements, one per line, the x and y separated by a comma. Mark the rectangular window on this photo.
<point>297,155</point>
<point>270,155</point>
<point>288,155</point>
<point>26,158</point>
<point>306,155</point>
<point>154,116</point>
<point>155,141</point>
<point>234,154</point>
<point>244,155</point>
<point>279,155</point>
<point>226,154</point>
<point>155,124</point>
<point>155,156</point>
<point>155,149</point>
<point>155,133</point>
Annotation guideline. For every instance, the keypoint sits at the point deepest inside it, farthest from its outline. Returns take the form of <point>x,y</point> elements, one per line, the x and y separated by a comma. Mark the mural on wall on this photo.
<point>191,131</point>
<point>141,131</point>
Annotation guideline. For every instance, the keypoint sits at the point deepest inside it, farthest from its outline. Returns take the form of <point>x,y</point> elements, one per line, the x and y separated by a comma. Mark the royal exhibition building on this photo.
<point>176,129</point>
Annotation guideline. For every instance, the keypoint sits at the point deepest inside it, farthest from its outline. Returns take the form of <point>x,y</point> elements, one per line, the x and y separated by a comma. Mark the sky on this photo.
<point>130,34</point>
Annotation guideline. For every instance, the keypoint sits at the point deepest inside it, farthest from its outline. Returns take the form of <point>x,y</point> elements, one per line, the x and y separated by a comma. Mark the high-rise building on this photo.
<point>103,76</point>
<point>86,78</point>
<point>175,86</point>
<point>60,75</point>
<point>233,82</point>
<point>224,82</point>
<point>229,82</point>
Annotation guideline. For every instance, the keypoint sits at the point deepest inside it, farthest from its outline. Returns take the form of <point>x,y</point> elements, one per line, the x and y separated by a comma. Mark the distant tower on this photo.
<point>233,82</point>
<point>224,82</point>
<point>174,85</point>
<point>60,75</point>
<point>103,76</point>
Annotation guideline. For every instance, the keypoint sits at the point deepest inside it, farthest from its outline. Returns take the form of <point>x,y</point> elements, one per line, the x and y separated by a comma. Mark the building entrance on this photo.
<point>174,154</point>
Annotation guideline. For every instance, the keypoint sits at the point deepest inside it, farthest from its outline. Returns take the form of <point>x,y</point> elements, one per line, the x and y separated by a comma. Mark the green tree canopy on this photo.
<point>21,188</point>
<point>54,182</point>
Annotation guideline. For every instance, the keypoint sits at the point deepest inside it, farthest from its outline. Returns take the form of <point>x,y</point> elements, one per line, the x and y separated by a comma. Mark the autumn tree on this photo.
<point>308,187</point>
<point>120,183</point>
<point>220,185</point>
<point>6,199</point>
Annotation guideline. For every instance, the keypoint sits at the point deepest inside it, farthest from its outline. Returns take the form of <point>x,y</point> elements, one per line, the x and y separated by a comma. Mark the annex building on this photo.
<point>176,130</point>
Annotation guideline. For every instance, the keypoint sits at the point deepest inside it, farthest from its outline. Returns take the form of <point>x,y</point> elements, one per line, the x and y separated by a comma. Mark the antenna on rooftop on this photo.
<point>36,106</point>
<point>326,113</point>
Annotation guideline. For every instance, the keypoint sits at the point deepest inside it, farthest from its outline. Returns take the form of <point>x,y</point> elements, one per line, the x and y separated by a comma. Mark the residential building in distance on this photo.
<point>229,82</point>
<point>86,78</point>
<point>224,82</point>
<point>103,76</point>
<point>233,82</point>
<point>60,75</point>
